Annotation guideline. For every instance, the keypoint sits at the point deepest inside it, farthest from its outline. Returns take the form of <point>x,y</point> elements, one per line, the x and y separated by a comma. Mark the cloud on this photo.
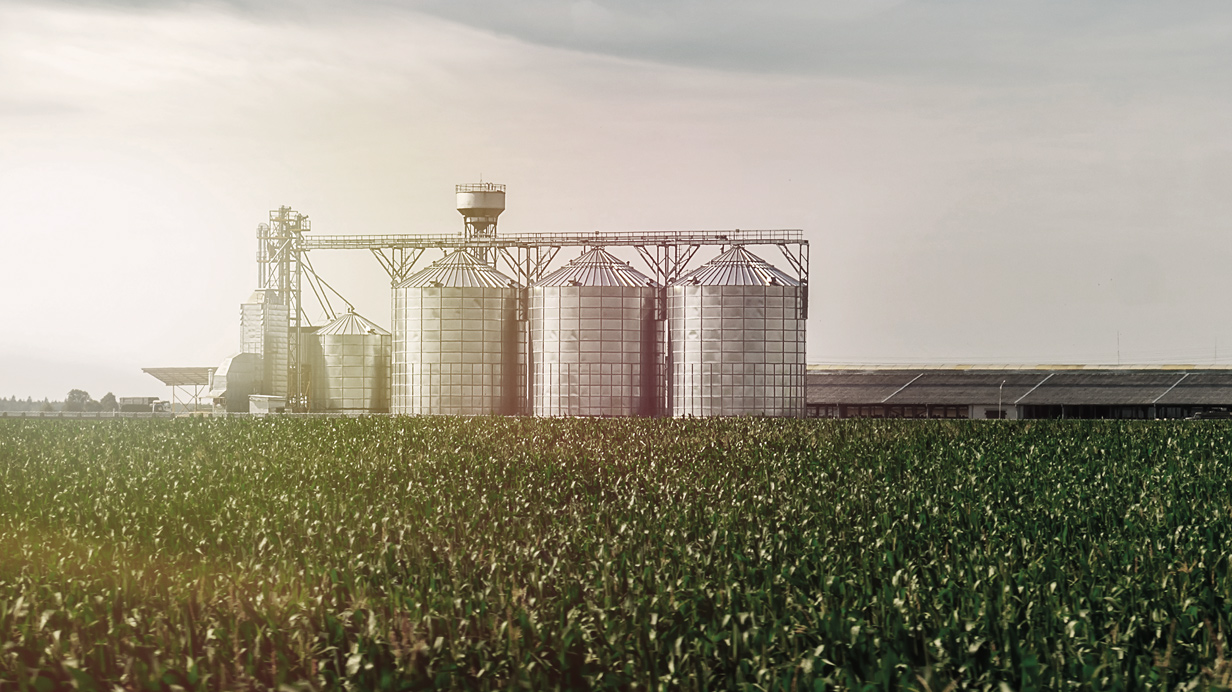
<point>950,40</point>
<point>960,40</point>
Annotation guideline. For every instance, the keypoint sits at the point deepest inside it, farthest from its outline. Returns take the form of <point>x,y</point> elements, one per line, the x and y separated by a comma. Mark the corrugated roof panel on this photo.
<point>855,387</point>
<point>736,267</point>
<point>459,269</point>
<point>1200,388</point>
<point>1102,388</point>
<point>967,387</point>
<point>596,267</point>
<point>352,324</point>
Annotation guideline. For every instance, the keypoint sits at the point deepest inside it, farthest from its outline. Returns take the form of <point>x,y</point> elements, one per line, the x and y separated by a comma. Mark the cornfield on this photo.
<point>508,553</point>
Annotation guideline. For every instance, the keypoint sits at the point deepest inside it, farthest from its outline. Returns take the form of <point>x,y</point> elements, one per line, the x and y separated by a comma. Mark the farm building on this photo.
<point>983,392</point>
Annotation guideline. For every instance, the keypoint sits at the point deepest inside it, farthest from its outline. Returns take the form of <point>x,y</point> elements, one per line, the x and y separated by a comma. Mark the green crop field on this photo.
<point>397,553</point>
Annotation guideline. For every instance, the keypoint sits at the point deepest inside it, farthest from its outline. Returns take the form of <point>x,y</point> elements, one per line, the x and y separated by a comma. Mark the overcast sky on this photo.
<point>981,182</point>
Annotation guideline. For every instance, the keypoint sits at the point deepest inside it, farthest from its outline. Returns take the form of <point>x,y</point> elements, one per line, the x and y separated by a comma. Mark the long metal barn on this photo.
<point>494,328</point>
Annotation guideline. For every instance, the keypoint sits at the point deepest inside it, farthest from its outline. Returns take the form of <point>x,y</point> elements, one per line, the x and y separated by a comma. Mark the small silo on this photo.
<point>455,340</point>
<point>593,339</point>
<point>736,336</point>
<point>350,366</point>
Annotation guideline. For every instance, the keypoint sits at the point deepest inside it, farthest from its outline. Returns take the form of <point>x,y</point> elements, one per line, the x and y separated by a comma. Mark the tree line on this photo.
<point>77,400</point>
<point>28,404</point>
<point>80,400</point>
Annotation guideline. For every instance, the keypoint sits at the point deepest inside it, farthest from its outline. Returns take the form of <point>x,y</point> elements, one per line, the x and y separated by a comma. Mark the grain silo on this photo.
<point>456,340</point>
<point>736,334</point>
<point>593,339</point>
<point>264,330</point>
<point>350,366</point>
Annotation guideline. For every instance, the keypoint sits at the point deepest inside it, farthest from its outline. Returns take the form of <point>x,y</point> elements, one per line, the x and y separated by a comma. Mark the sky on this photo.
<point>1009,182</point>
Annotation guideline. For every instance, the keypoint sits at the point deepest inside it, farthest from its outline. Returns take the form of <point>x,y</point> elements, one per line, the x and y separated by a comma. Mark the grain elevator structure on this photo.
<point>545,324</point>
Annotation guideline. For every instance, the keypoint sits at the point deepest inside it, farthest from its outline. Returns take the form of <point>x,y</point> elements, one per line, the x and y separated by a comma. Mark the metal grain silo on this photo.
<point>350,366</point>
<point>456,340</point>
<point>736,336</point>
<point>593,339</point>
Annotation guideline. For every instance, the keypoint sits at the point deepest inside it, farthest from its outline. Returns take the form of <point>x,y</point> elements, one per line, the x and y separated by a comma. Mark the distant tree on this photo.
<point>77,400</point>
<point>47,407</point>
<point>108,402</point>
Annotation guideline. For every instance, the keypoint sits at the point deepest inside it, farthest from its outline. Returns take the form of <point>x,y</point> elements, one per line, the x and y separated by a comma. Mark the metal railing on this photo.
<point>592,239</point>
<point>481,187</point>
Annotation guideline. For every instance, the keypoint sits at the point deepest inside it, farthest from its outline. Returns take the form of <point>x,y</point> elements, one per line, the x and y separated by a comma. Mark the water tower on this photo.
<point>480,204</point>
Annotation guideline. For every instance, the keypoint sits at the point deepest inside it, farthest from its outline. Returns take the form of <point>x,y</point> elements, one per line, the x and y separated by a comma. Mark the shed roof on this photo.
<point>855,387</point>
<point>1108,388</point>
<point>1204,388</point>
<point>181,377</point>
<point>967,387</point>
<point>1027,386</point>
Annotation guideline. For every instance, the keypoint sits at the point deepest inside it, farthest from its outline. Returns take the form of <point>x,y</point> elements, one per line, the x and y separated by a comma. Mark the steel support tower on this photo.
<point>280,266</point>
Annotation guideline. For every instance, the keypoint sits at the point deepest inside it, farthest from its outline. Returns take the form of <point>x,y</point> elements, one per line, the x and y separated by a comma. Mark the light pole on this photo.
<point>1000,411</point>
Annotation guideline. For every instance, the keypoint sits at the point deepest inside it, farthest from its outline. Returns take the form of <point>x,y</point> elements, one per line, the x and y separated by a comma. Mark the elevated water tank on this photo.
<point>350,366</point>
<point>455,340</point>
<point>593,339</point>
<point>480,204</point>
<point>736,337</point>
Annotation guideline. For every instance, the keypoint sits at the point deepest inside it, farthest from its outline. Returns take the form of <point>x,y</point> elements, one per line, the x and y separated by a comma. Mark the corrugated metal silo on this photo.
<point>350,366</point>
<point>737,339</point>
<point>593,339</point>
<point>455,340</point>
<point>264,330</point>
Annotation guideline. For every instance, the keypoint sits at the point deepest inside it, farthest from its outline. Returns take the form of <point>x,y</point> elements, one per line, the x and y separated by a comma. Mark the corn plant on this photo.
<point>512,553</point>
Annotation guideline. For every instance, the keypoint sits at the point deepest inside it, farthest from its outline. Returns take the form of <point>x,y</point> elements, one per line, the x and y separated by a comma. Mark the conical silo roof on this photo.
<point>352,324</point>
<point>736,267</point>
<point>596,267</point>
<point>459,269</point>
